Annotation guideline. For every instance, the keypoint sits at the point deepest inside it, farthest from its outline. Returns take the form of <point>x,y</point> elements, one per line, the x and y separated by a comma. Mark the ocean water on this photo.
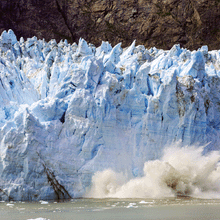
<point>95,209</point>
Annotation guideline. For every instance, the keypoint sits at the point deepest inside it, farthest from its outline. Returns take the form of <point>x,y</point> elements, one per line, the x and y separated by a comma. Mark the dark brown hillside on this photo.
<point>160,23</point>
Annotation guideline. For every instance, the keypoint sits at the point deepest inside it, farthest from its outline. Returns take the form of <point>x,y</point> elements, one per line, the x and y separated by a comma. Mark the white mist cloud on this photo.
<point>181,171</point>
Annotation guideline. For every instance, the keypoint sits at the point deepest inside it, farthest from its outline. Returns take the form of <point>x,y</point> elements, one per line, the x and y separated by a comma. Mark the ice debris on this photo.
<point>38,219</point>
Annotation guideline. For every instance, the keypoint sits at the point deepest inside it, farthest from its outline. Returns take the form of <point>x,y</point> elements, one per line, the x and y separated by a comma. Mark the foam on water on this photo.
<point>182,171</point>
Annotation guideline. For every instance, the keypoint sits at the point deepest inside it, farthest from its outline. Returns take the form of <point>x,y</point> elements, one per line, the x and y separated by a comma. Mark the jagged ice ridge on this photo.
<point>68,110</point>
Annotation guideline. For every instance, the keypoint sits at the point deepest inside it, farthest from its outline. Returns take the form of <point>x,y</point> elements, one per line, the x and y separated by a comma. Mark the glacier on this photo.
<point>70,110</point>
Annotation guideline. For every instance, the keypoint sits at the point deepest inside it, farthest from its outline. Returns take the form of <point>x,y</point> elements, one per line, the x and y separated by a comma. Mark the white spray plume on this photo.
<point>182,171</point>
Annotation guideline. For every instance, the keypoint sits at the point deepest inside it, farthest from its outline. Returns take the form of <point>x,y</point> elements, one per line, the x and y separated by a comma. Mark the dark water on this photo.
<point>88,209</point>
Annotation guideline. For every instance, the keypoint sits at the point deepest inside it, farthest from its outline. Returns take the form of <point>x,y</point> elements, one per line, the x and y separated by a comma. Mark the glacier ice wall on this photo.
<point>67,111</point>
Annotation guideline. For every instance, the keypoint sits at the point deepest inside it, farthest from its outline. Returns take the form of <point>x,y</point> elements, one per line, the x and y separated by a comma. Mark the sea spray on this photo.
<point>182,171</point>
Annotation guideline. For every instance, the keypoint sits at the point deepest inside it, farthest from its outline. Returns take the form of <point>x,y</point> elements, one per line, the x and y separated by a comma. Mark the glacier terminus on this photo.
<point>70,110</point>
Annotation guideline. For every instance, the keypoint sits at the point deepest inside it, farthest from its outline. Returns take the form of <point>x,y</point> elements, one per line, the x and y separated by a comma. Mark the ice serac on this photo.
<point>68,111</point>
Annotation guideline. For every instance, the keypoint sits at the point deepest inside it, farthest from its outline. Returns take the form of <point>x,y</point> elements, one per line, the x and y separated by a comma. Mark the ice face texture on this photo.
<point>68,111</point>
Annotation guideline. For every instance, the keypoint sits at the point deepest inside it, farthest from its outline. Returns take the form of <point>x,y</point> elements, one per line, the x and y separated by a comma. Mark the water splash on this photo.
<point>182,171</point>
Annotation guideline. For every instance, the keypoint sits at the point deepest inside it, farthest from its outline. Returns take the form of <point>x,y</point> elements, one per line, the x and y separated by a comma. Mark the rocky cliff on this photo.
<point>160,23</point>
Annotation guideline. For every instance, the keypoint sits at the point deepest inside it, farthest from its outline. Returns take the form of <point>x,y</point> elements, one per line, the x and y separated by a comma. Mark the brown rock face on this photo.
<point>160,23</point>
